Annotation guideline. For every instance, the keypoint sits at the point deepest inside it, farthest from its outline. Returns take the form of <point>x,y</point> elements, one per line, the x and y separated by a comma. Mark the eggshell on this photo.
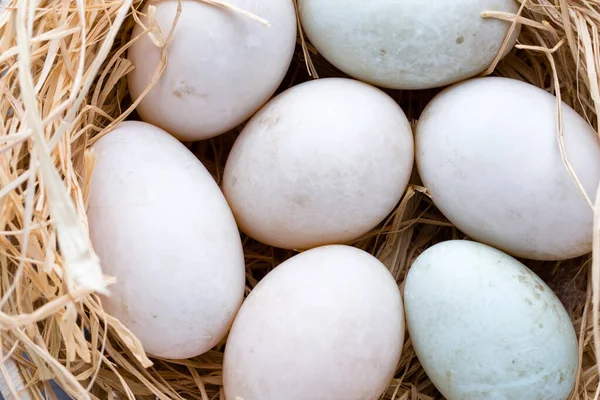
<point>485,327</point>
<point>408,44</point>
<point>161,225</point>
<point>222,65</point>
<point>325,324</point>
<point>488,153</point>
<point>322,163</point>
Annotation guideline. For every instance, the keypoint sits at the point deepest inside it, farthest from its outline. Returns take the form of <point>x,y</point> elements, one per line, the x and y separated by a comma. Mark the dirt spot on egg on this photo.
<point>300,200</point>
<point>269,121</point>
<point>448,376</point>
<point>126,317</point>
<point>540,287</point>
<point>460,40</point>
<point>183,89</point>
<point>383,52</point>
<point>531,283</point>
<point>567,281</point>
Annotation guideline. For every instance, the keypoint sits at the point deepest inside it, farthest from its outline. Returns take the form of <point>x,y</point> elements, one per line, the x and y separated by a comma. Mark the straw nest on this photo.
<point>64,64</point>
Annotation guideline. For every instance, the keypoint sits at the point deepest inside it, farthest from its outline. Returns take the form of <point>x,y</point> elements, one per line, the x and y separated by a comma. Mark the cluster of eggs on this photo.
<point>323,163</point>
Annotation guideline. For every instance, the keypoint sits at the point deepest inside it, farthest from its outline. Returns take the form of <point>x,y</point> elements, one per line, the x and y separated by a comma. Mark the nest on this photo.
<point>64,65</point>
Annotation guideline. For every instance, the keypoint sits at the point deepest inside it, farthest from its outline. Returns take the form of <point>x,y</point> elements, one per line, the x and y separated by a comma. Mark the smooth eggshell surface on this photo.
<point>326,324</point>
<point>485,327</point>
<point>407,44</point>
<point>160,224</point>
<point>322,163</point>
<point>489,155</point>
<point>222,65</point>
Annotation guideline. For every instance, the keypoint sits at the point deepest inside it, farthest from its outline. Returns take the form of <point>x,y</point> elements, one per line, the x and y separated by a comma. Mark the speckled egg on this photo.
<point>486,327</point>
<point>407,44</point>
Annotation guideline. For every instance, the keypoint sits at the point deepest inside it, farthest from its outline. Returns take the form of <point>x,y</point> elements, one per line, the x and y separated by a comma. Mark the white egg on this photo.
<point>322,163</point>
<point>222,65</point>
<point>161,225</point>
<point>489,155</point>
<point>407,44</point>
<point>485,327</point>
<point>326,324</point>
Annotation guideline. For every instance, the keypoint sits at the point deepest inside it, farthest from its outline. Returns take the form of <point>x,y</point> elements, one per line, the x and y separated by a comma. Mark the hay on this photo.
<point>63,65</point>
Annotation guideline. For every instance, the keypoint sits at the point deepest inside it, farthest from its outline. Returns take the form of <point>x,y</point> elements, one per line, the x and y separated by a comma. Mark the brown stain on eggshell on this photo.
<point>269,121</point>
<point>126,316</point>
<point>301,200</point>
<point>183,89</point>
<point>534,284</point>
<point>528,280</point>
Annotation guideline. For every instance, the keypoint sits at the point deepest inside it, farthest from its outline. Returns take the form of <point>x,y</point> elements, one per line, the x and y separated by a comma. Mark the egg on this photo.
<point>325,324</point>
<point>484,326</point>
<point>322,163</point>
<point>407,44</point>
<point>489,155</point>
<point>162,227</point>
<point>222,65</point>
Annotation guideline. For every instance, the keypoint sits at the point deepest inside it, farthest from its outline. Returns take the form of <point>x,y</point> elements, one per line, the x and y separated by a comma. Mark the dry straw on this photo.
<point>63,66</point>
